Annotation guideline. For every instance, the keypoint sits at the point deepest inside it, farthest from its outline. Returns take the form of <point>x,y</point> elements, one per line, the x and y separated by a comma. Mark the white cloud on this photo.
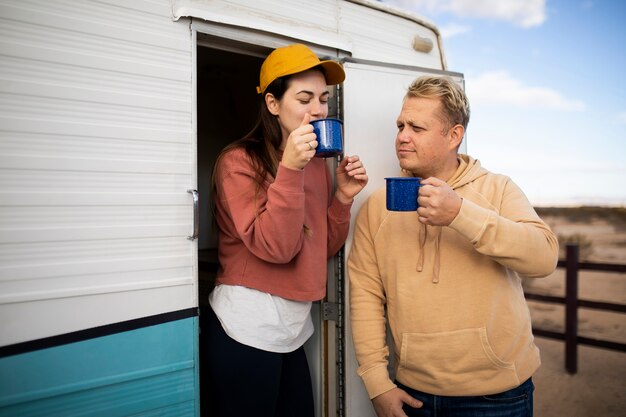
<point>621,118</point>
<point>498,87</point>
<point>453,29</point>
<point>524,13</point>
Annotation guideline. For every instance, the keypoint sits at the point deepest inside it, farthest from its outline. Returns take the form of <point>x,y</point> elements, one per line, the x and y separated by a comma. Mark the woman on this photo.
<point>279,221</point>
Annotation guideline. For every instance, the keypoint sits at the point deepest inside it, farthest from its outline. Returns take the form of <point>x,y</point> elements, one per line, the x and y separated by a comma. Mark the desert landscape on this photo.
<point>598,389</point>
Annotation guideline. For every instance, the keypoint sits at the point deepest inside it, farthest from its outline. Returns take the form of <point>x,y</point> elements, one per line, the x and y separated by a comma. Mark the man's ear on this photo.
<point>271,103</point>
<point>456,136</point>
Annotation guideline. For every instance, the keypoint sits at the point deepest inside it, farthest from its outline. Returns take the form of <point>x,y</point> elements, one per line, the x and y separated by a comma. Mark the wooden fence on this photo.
<point>572,303</point>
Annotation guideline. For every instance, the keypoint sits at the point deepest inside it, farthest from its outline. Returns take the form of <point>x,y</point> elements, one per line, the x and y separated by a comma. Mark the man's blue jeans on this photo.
<point>517,402</point>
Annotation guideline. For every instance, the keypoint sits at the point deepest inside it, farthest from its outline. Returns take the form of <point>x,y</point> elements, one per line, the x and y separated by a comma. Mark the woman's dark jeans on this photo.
<point>243,381</point>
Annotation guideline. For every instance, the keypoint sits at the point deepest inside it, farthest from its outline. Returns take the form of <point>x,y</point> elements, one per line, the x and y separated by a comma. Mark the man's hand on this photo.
<point>439,204</point>
<point>389,404</point>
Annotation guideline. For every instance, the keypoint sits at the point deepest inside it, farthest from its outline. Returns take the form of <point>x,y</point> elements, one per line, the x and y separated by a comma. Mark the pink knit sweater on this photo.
<point>263,241</point>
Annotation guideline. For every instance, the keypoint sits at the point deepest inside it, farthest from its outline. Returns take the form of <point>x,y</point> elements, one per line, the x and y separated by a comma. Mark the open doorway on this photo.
<point>227,106</point>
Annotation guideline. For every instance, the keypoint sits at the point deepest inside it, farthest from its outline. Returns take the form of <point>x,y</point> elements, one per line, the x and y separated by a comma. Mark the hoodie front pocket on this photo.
<point>455,358</point>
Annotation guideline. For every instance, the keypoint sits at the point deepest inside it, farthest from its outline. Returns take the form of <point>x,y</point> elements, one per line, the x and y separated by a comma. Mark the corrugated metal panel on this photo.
<point>96,157</point>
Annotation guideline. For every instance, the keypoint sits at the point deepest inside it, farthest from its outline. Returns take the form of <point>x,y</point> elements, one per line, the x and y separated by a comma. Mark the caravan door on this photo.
<point>372,99</point>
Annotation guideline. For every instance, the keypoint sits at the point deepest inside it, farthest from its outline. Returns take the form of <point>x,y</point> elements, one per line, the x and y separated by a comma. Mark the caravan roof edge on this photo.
<point>409,16</point>
<point>322,32</point>
<point>252,19</point>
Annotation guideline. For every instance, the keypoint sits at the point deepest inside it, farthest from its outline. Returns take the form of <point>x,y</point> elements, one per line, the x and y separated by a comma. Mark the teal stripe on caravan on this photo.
<point>147,371</point>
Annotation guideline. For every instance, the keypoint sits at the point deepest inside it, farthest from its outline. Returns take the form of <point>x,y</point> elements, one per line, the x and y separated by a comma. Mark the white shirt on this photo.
<point>261,320</point>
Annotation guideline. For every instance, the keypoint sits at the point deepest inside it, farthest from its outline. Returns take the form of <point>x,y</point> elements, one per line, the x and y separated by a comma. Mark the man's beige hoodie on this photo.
<point>452,295</point>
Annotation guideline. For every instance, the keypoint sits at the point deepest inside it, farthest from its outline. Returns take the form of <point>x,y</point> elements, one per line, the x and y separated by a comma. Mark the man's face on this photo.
<point>423,145</point>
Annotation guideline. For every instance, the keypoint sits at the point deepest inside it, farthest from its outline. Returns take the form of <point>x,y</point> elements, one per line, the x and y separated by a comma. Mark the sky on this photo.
<point>546,80</point>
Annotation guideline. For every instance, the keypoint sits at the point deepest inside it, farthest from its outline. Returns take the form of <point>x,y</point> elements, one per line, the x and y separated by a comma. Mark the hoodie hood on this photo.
<point>469,170</point>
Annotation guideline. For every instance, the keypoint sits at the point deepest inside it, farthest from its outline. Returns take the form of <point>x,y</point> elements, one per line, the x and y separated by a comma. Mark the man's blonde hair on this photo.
<point>455,105</point>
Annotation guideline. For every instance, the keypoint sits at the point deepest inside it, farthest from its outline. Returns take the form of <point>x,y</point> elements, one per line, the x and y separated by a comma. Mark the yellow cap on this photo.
<point>296,58</point>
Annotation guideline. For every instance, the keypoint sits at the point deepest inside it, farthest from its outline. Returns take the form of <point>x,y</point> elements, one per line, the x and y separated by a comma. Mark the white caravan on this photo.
<point>111,115</point>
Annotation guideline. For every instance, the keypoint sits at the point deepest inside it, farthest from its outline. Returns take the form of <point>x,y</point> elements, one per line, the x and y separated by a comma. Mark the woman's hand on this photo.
<point>351,178</point>
<point>300,146</point>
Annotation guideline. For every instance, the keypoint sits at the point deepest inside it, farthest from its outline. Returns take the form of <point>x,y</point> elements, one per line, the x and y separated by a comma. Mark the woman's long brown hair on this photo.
<point>262,142</point>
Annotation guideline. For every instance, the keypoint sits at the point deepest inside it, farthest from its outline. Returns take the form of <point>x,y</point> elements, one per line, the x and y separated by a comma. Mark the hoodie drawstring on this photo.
<point>422,246</point>
<point>422,242</point>
<point>437,257</point>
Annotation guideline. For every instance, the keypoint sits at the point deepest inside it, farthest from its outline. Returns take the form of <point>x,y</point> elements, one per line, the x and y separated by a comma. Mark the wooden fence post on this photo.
<point>571,309</point>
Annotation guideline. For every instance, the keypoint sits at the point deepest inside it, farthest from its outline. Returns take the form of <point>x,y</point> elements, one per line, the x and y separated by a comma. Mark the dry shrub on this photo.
<point>615,216</point>
<point>585,245</point>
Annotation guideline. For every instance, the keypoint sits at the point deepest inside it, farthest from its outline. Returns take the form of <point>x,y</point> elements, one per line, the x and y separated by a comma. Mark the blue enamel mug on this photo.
<point>329,137</point>
<point>402,193</point>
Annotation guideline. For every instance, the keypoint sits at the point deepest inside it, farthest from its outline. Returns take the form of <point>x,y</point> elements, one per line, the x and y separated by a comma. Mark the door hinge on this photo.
<point>330,311</point>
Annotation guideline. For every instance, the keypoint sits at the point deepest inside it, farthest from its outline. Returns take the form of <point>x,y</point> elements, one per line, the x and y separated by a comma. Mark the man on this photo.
<point>448,278</point>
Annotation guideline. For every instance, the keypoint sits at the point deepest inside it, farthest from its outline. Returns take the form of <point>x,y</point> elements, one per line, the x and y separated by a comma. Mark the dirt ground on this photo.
<point>598,389</point>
